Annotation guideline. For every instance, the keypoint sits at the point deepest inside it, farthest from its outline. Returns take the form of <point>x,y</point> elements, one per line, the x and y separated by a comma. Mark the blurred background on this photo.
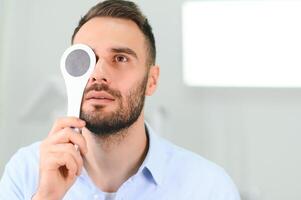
<point>252,132</point>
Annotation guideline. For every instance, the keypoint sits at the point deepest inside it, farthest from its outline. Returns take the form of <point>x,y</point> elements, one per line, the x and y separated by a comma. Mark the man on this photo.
<point>119,156</point>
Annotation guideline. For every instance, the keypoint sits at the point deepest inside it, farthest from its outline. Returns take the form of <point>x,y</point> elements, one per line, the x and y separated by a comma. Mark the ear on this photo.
<point>153,78</point>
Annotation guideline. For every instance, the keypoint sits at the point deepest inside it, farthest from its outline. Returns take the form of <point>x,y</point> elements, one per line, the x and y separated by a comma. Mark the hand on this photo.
<point>60,161</point>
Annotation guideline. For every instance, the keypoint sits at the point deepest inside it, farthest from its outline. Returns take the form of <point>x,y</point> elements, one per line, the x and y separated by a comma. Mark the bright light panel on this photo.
<point>242,43</point>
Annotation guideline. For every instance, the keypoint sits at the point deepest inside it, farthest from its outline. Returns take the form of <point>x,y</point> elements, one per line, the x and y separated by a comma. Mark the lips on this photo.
<point>99,95</point>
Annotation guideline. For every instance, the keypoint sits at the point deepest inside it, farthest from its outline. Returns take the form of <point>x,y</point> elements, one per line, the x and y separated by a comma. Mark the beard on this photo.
<point>126,114</point>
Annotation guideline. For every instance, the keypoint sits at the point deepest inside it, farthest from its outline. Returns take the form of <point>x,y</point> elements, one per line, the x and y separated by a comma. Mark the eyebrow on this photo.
<point>124,50</point>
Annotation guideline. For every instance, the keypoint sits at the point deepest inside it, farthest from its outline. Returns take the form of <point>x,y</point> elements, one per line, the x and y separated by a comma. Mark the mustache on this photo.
<point>103,87</point>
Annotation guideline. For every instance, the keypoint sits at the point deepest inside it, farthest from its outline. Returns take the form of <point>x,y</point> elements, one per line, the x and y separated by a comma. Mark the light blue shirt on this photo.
<point>168,172</point>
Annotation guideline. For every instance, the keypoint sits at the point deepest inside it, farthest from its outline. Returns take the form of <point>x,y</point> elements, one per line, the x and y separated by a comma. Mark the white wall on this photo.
<point>253,133</point>
<point>1,56</point>
<point>2,9</point>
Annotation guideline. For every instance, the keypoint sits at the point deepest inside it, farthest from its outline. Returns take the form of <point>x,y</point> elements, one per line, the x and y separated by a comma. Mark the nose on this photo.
<point>100,73</point>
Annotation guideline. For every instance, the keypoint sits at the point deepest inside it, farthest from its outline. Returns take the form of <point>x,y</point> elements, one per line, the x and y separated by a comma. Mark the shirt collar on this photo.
<point>157,156</point>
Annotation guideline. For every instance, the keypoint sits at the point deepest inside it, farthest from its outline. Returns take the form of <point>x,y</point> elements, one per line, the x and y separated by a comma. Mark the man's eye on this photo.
<point>120,58</point>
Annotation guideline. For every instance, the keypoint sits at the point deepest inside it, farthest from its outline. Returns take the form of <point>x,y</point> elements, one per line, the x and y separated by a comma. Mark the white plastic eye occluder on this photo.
<point>77,64</point>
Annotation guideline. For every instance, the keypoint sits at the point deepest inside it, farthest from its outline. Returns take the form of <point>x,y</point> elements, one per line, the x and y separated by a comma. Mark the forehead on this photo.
<point>104,33</point>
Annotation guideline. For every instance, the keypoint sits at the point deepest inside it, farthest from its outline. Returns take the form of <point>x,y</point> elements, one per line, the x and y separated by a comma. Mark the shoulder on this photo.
<point>27,156</point>
<point>192,162</point>
<point>21,173</point>
<point>199,173</point>
<point>24,164</point>
<point>25,161</point>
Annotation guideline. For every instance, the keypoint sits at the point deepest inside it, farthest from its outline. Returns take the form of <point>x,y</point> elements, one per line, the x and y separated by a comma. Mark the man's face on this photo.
<point>114,96</point>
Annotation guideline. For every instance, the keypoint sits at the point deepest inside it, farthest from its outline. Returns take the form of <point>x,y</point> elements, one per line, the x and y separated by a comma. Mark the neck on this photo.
<point>110,161</point>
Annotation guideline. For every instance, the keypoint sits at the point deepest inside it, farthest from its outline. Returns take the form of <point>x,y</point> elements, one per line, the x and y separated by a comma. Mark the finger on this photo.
<point>64,122</point>
<point>58,161</point>
<point>70,149</point>
<point>70,164</point>
<point>68,135</point>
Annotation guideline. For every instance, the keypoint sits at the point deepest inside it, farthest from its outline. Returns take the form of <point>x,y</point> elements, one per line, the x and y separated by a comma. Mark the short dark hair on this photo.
<point>125,10</point>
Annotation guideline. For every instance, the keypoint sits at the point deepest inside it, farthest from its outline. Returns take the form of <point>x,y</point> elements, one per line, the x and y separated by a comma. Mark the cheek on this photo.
<point>127,82</point>
<point>128,91</point>
<point>125,92</point>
